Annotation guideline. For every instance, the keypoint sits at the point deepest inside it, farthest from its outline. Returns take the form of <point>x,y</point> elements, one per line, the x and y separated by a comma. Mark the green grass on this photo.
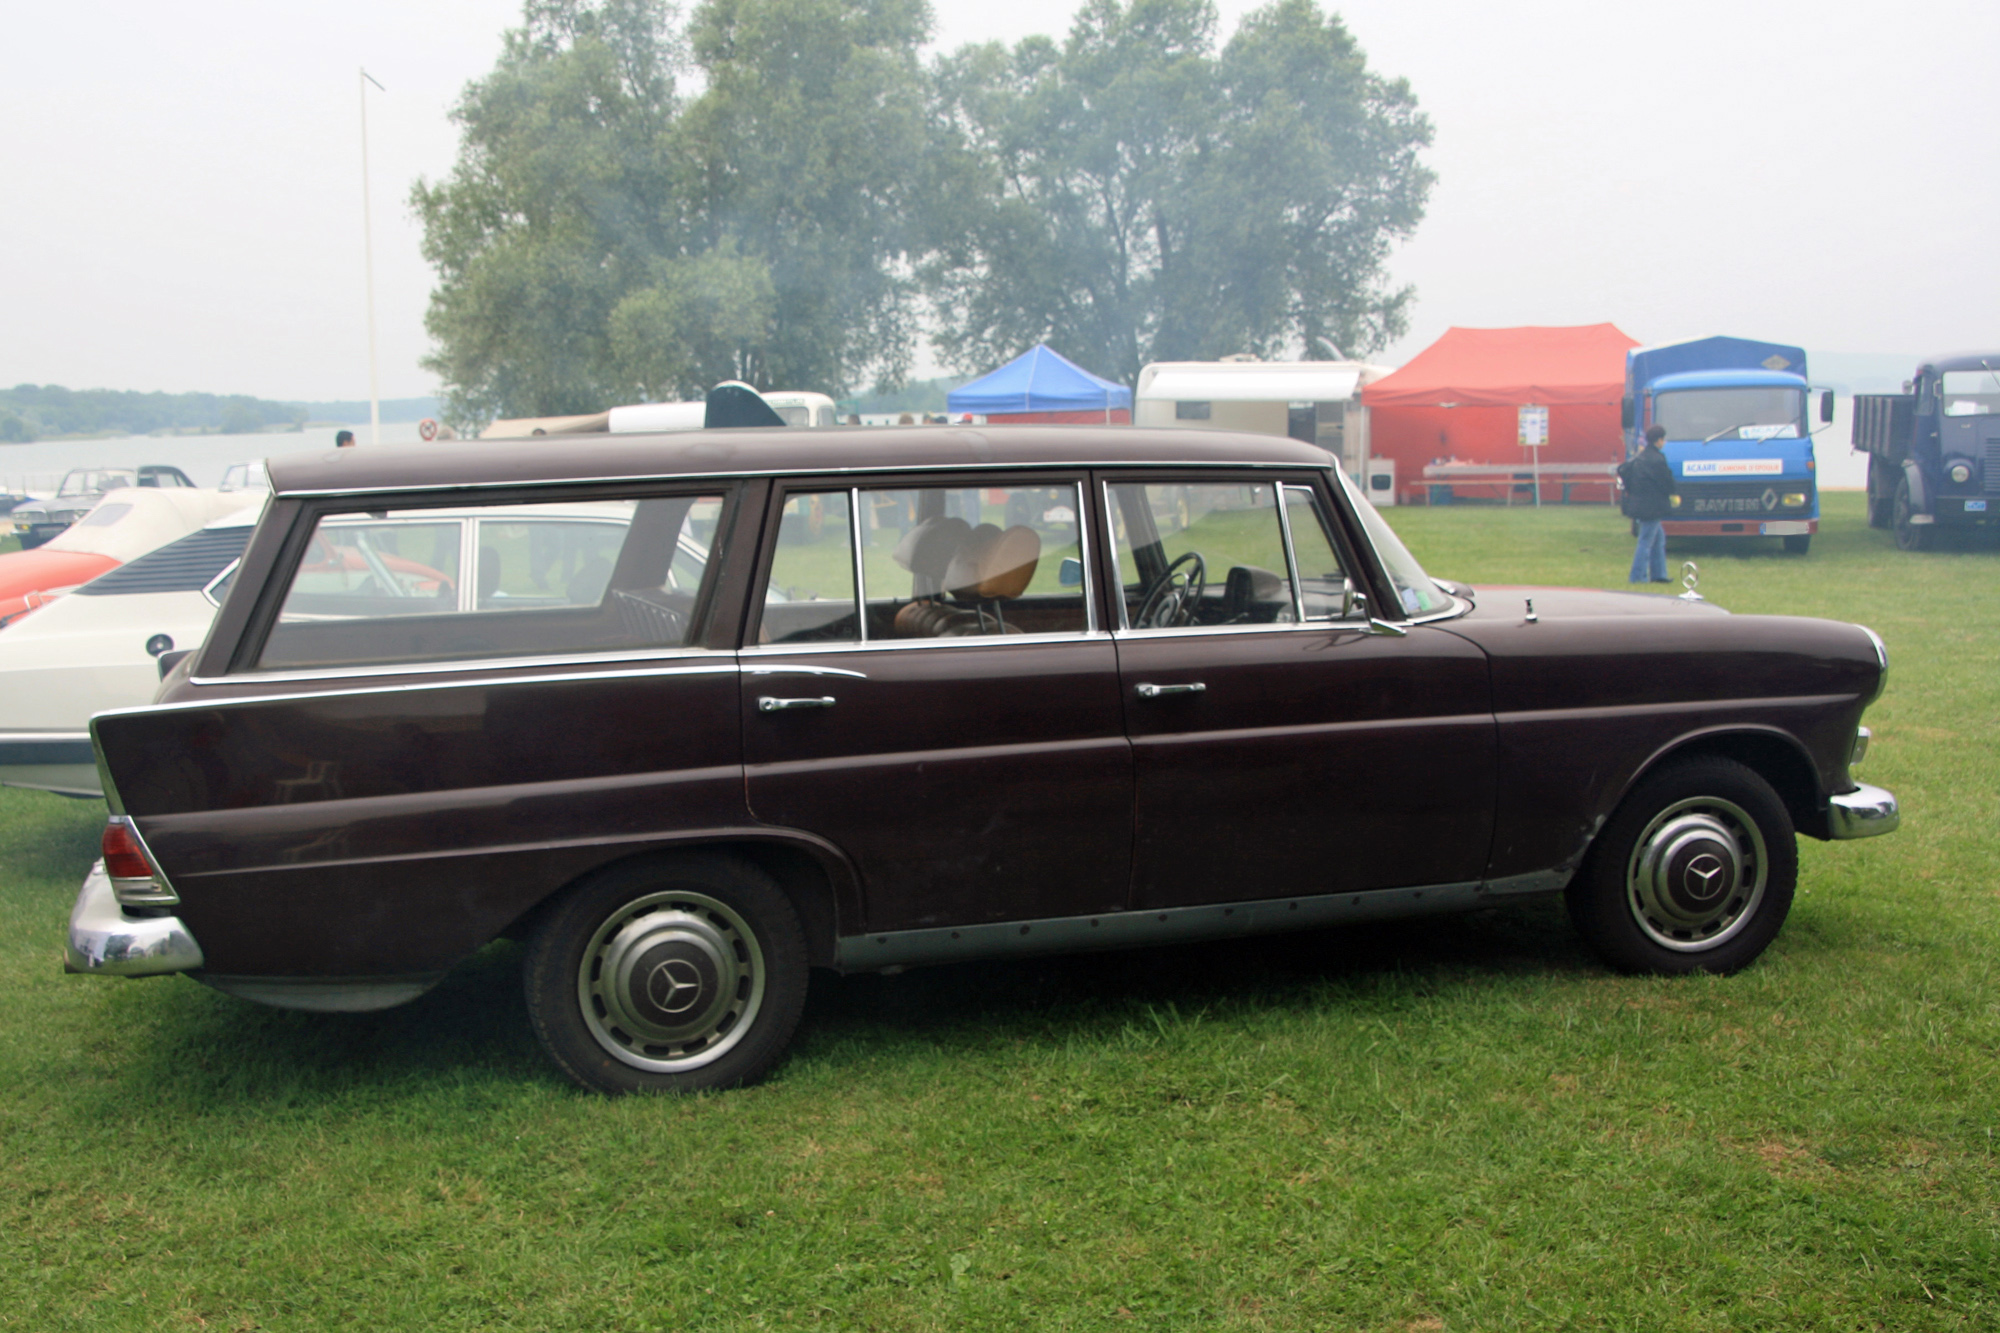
<point>1451,1125</point>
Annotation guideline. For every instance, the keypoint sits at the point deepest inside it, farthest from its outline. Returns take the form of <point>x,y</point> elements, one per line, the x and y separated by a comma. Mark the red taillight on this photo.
<point>124,858</point>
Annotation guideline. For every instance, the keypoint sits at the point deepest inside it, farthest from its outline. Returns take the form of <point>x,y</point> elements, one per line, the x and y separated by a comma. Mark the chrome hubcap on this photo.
<point>671,982</point>
<point>1696,874</point>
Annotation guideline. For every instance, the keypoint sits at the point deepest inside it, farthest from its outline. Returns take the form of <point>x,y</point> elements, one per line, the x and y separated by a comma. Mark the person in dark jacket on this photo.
<point>1649,487</point>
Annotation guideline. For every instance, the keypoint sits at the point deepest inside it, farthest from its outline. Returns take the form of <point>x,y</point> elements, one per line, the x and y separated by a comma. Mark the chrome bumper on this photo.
<point>1862,813</point>
<point>104,940</point>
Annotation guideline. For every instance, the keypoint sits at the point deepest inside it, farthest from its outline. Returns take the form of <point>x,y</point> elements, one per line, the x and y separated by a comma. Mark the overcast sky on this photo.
<point>180,200</point>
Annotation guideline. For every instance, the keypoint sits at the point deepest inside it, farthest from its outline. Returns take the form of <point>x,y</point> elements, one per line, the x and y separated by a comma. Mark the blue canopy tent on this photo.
<point>1040,385</point>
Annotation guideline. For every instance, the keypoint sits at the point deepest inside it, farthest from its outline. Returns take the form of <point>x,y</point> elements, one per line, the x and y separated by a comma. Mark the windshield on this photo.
<point>94,482</point>
<point>1749,413</point>
<point>1970,393</point>
<point>1420,595</point>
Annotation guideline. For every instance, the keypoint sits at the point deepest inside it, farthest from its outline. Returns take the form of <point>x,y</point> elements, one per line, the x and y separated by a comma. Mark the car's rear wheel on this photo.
<point>1909,536</point>
<point>670,974</point>
<point>1694,873</point>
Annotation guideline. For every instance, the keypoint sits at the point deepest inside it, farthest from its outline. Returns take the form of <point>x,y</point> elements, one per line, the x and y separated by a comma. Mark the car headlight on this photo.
<point>1793,499</point>
<point>1960,473</point>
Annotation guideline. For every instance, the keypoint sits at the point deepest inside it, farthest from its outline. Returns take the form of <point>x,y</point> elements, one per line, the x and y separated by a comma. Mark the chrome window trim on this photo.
<point>208,588</point>
<point>569,677</point>
<point>885,469</point>
<point>1124,625</point>
<point>854,557</point>
<point>467,664</point>
<point>1291,556</point>
<point>906,645</point>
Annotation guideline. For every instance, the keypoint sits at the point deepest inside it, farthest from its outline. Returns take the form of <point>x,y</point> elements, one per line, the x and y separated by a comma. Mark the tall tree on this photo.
<point>561,203</point>
<point>602,241</point>
<point>1133,196</point>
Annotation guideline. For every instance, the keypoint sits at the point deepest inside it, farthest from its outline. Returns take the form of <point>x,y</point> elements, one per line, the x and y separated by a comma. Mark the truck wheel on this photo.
<point>1909,536</point>
<point>1881,499</point>
<point>1798,545</point>
<point>669,974</point>
<point>1694,873</point>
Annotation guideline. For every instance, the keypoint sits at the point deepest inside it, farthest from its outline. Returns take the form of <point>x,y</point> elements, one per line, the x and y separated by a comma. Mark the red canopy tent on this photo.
<point>1458,399</point>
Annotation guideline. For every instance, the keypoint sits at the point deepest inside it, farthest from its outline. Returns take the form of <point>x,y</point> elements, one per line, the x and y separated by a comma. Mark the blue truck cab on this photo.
<point>1738,441</point>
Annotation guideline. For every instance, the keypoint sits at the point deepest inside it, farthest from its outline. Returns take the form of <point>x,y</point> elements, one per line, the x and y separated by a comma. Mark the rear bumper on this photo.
<point>104,939</point>
<point>1862,813</point>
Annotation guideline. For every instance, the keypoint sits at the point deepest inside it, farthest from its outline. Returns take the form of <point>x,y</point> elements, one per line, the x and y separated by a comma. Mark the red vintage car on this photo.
<point>917,696</point>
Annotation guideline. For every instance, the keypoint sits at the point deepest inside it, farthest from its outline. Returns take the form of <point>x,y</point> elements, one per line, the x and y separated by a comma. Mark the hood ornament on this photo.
<point>1531,617</point>
<point>1690,579</point>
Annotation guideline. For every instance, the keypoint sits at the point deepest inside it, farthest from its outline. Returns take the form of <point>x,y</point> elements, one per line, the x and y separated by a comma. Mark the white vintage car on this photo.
<point>99,647</point>
<point>108,644</point>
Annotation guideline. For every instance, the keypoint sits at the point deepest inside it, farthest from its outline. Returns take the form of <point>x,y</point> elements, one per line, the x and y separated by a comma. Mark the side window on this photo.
<point>957,562</point>
<point>395,566</point>
<point>546,579</point>
<point>1323,585</point>
<point>810,597</point>
<point>1199,555</point>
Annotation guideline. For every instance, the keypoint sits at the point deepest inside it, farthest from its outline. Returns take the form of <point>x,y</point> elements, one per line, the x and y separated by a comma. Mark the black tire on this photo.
<point>1909,536</point>
<point>1798,545</point>
<point>1694,873</point>
<point>1881,498</point>
<point>713,967</point>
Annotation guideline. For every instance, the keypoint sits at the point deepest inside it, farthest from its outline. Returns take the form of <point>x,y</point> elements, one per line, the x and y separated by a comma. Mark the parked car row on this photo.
<point>38,521</point>
<point>692,714</point>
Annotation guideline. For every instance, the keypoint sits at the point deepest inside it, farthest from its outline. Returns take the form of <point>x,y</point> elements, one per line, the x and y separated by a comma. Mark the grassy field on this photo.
<point>1459,1125</point>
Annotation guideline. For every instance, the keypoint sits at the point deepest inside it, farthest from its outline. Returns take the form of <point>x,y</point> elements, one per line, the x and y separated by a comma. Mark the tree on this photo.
<point>1132,196</point>
<point>561,203</point>
<point>601,241</point>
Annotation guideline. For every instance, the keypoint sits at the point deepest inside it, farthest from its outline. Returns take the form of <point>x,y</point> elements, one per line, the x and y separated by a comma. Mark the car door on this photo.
<point>927,688</point>
<point>1280,747</point>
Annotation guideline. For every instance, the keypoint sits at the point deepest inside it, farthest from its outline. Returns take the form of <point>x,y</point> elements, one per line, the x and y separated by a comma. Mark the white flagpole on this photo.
<point>368,263</point>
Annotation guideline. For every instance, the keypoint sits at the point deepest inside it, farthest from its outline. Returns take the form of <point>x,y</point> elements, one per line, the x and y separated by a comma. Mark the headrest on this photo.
<point>927,549</point>
<point>993,563</point>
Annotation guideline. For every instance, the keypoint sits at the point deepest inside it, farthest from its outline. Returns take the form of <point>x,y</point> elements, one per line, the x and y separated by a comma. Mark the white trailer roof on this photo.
<point>1254,381</point>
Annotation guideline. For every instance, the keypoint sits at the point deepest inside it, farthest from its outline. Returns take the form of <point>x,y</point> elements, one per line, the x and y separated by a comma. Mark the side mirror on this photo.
<point>1357,607</point>
<point>1826,408</point>
<point>1070,573</point>
<point>1352,603</point>
<point>1626,414</point>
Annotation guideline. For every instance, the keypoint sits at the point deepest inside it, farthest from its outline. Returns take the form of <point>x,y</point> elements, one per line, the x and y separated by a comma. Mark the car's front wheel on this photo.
<point>1694,873</point>
<point>669,974</point>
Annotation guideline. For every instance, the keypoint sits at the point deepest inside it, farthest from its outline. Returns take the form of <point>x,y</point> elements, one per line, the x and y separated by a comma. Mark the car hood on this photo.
<point>1508,601</point>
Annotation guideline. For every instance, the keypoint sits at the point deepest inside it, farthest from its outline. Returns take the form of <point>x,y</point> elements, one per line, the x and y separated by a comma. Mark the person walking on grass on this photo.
<point>1649,488</point>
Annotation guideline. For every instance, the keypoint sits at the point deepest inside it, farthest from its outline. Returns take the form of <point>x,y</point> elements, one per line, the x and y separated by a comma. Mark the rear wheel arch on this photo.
<point>821,885</point>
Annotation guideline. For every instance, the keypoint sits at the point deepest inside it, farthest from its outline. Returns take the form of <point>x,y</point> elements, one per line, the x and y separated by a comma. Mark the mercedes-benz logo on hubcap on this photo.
<point>1702,879</point>
<point>674,985</point>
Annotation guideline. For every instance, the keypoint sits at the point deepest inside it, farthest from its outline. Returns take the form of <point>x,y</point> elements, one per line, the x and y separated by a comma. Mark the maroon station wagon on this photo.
<point>693,714</point>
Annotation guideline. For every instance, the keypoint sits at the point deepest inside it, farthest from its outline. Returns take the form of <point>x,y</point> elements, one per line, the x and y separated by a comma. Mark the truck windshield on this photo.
<point>1970,393</point>
<point>1748,413</point>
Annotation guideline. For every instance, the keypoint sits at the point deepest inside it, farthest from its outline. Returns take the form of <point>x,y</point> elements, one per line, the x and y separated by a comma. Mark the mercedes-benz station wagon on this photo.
<point>694,714</point>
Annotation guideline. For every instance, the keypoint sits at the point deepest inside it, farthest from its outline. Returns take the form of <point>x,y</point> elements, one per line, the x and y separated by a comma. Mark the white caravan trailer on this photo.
<point>1315,401</point>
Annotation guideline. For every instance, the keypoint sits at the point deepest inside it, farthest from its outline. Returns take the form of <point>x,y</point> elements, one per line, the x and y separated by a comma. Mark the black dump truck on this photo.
<point>1934,450</point>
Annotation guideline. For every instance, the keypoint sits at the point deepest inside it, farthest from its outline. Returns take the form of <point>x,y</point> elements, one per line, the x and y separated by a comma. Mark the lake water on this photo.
<point>204,457</point>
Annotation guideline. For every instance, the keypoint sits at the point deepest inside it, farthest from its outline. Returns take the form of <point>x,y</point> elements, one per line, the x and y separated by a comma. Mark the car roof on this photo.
<point>450,465</point>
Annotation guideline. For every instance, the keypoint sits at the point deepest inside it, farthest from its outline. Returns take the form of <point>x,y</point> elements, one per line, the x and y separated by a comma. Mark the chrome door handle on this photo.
<point>1150,691</point>
<point>766,704</point>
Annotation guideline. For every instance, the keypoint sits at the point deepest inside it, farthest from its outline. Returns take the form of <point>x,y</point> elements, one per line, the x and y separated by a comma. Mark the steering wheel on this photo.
<point>1168,604</point>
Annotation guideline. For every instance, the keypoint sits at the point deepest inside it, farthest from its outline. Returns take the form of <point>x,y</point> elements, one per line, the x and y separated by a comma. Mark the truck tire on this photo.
<point>1798,545</point>
<point>1881,498</point>
<point>1909,536</point>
